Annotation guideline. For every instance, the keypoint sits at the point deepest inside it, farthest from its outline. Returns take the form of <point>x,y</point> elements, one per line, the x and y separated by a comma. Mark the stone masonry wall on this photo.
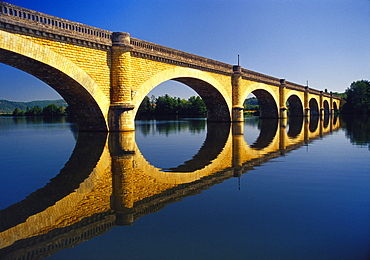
<point>95,62</point>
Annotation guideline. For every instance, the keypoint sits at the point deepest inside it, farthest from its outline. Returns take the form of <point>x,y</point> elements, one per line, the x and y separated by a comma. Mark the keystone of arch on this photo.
<point>34,51</point>
<point>179,72</point>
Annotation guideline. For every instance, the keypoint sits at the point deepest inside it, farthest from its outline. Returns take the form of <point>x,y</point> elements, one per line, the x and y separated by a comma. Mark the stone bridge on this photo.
<point>116,185</point>
<point>104,76</point>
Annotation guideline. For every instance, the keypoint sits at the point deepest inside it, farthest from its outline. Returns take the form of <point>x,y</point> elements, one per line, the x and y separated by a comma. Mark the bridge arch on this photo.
<point>267,99</point>
<point>213,93</point>
<point>314,107</point>
<point>295,105</point>
<point>79,90</point>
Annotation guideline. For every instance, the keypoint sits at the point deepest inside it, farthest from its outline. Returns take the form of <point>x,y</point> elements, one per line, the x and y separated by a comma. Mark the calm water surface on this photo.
<point>185,189</point>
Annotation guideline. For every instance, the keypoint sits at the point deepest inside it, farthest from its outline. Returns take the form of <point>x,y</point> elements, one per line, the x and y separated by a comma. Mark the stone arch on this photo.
<point>295,106</point>
<point>314,107</point>
<point>212,92</point>
<point>267,99</point>
<point>268,106</point>
<point>79,90</point>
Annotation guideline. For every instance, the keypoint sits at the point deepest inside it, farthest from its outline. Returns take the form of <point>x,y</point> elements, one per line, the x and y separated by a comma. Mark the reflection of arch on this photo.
<point>88,150</point>
<point>295,126</point>
<point>68,229</point>
<point>335,119</point>
<point>314,123</point>
<point>295,106</point>
<point>335,107</point>
<point>211,148</point>
<point>268,107</point>
<point>79,90</point>
<point>268,131</point>
<point>327,118</point>
<point>208,88</point>
<point>326,107</point>
<point>314,107</point>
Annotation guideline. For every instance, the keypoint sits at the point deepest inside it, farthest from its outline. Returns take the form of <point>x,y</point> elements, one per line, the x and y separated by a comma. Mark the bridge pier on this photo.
<point>306,104</point>
<point>238,106</point>
<point>282,105</point>
<point>121,116</point>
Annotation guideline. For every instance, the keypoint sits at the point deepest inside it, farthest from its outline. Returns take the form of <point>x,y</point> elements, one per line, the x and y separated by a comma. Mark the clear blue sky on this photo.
<point>326,42</point>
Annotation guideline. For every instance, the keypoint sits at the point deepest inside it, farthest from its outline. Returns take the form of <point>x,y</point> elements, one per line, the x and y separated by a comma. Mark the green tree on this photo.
<point>34,111</point>
<point>53,110</point>
<point>146,107</point>
<point>166,105</point>
<point>357,98</point>
<point>18,112</point>
<point>197,106</point>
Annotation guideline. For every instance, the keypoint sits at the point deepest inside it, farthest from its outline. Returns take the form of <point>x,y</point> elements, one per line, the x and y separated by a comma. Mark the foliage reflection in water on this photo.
<point>295,210</point>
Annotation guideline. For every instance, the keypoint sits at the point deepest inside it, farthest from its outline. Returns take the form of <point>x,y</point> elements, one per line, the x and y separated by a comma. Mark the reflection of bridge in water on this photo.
<point>116,185</point>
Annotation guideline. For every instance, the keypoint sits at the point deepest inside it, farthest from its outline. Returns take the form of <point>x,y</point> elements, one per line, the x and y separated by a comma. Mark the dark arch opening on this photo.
<point>268,107</point>
<point>87,112</point>
<point>314,107</point>
<point>295,107</point>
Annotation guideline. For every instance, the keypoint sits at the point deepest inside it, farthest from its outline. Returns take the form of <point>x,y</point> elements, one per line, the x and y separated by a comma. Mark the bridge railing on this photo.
<point>25,19</point>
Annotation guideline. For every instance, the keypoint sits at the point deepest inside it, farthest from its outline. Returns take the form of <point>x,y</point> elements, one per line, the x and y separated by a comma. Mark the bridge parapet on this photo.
<point>259,77</point>
<point>295,86</point>
<point>149,50</point>
<point>24,20</point>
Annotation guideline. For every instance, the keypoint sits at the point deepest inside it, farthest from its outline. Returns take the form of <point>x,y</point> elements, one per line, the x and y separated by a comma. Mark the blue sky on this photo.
<point>326,42</point>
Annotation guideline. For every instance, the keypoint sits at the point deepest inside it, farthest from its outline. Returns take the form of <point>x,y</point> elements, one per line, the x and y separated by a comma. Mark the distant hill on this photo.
<point>7,107</point>
<point>251,101</point>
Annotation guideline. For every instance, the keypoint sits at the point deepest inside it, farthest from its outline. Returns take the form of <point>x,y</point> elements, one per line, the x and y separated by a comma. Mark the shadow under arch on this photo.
<point>78,89</point>
<point>268,106</point>
<point>268,129</point>
<point>217,135</point>
<point>86,154</point>
<point>295,106</point>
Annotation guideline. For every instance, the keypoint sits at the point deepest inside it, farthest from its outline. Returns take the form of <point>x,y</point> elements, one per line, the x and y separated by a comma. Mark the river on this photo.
<point>186,189</point>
